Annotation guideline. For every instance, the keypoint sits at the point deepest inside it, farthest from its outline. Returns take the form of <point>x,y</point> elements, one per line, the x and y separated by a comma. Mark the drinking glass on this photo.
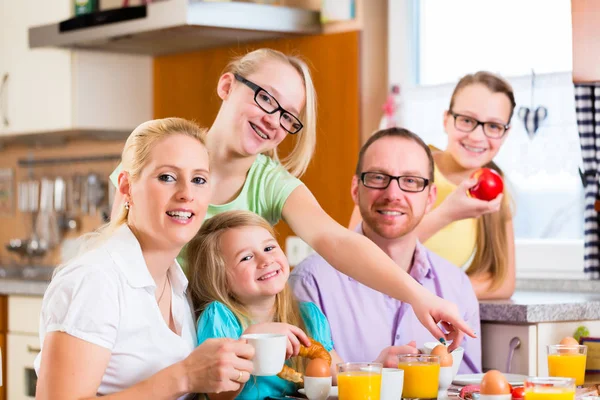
<point>359,381</point>
<point>567,361</point>
<point>549,388</point>
<point>421,375</point>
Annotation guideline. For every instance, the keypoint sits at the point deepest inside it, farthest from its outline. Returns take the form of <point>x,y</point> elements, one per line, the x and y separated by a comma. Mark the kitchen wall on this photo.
<point>17,224</point>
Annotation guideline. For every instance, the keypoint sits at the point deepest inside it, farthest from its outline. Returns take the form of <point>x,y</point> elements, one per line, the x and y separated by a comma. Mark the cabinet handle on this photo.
<point>4,103</point>
<point>32,349</point>
<point>514,344</point>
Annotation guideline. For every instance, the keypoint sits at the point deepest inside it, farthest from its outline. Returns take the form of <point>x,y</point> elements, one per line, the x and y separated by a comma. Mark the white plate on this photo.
<point>333,392</point>
<point>475,379</point>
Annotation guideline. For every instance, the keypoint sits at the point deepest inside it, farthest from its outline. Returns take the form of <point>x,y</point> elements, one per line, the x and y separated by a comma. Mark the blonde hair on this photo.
<point>135,156</point>
<point>490,255</point>
<point>305,141</point>
<point>207,270</point>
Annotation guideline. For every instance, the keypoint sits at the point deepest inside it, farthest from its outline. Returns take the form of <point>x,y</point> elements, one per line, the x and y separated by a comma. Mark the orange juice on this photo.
<point>421,379</point>
<point>550,394</point>
<point>567,365</point>
<point>359,385</point>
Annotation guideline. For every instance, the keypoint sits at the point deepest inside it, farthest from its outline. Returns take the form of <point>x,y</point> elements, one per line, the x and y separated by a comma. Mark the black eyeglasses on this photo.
<point>270,105</point>
<point>493,130</point>
<point>407,183</point>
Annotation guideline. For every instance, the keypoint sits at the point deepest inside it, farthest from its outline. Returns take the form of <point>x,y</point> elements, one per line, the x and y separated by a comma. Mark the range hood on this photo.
<point>176,26</point>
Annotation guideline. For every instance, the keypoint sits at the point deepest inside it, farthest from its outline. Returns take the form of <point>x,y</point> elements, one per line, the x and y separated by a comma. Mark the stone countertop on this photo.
<point>23,287</point>
<point>529,307</point>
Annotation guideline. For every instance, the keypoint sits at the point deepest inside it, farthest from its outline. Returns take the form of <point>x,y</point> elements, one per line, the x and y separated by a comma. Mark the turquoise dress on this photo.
<point>217,321</point>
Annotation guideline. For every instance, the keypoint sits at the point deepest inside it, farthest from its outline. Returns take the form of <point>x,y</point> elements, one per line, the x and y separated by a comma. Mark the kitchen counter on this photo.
<point>23,287</point>
<point>527,307</point>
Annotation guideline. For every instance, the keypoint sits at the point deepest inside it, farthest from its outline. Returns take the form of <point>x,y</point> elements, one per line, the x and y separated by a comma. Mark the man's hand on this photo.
<point>389,356</point>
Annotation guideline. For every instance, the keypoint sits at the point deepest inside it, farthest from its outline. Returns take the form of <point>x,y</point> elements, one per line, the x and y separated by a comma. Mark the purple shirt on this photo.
<point>364,322</point>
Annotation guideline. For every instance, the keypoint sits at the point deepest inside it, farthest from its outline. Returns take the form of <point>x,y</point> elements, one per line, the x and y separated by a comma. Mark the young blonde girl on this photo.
<point>238,281</point>
<point>474,234</point>
<point>266,97</point>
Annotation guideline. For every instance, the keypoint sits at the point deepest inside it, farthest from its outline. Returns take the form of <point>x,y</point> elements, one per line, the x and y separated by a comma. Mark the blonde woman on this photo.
<point>266,97</point>
<point>115,320</point>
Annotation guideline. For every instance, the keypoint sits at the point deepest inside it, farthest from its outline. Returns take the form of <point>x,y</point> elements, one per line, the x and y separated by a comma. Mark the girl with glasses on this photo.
<point>475,234</point>
<point>266,96</point>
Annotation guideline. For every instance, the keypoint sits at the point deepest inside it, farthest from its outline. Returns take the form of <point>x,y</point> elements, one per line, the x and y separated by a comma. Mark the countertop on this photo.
<point>23,287</point>
<point>539,306</point>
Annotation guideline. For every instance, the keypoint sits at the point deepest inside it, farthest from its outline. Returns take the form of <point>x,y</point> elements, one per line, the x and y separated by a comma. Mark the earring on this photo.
<point>127,205</point>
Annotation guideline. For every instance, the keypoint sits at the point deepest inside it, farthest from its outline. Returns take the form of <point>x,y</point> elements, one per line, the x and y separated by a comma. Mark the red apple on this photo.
<point>489,184</point>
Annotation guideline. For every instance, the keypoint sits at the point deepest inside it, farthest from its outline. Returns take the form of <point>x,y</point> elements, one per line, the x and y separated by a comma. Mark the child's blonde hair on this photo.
<point>135,156</point>
<point>208,272</point>
<point>299,158</point>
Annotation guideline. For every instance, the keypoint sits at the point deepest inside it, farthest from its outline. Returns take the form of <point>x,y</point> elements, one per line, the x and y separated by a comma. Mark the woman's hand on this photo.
<point>296,336</point>
<point>218,365</point>
<point>458,205</point>
<point>431,310</point>
<point>389,356</point>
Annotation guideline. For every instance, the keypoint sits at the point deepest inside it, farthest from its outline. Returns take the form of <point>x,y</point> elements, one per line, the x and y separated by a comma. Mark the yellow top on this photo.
<point>455,242</point>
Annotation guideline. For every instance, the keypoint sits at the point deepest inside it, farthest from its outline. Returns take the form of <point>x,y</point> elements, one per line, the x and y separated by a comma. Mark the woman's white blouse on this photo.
<point>106,297</point>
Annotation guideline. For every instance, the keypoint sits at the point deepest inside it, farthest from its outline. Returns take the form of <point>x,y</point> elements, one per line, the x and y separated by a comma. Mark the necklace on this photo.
<point>163,290</point>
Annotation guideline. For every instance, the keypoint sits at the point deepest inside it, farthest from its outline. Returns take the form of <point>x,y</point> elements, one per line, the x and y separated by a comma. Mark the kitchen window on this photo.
<point>510,37</point>
<point>432,43</point>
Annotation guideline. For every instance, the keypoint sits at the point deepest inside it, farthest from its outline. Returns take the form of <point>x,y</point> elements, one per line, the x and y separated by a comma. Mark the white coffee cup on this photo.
<point>269,352</point>
<point>392,383</point>
<point>317,388</point>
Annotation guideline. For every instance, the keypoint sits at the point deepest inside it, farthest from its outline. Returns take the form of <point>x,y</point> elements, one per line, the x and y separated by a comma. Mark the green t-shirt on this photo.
<point>267,187</point>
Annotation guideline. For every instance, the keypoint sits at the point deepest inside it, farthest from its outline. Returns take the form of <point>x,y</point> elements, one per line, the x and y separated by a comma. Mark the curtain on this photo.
<point>587,103</point>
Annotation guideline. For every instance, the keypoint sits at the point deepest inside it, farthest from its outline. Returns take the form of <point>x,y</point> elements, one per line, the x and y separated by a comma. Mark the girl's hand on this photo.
<point>431,310</point>
<point>296,336</point>
<point>389,356</point>
<point>218,365</point>
<point>458,205</point>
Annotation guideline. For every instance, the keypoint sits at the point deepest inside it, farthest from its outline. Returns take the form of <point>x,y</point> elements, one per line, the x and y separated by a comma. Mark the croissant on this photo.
<point>316,350</point>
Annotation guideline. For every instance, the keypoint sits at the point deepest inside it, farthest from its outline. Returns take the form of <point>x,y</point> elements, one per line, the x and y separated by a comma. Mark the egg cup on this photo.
<point>446,377</point>
<point>317,388</point>
<point>495,396</point>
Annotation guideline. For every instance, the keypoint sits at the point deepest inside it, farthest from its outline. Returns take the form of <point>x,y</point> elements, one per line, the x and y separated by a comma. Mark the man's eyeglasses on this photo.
<point>493,130</point>
<point>270,105</point>
<point>407,183</point>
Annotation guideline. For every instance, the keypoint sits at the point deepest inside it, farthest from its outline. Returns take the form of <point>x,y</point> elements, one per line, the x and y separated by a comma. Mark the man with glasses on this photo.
<point>393,188</point>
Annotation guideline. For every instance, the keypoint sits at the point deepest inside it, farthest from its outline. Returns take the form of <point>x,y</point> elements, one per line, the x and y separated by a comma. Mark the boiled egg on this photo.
<point>442,352</point>
<point>571,344</point>
<point>318,367</point>
<point>569,341</point>
<point>494,382</point>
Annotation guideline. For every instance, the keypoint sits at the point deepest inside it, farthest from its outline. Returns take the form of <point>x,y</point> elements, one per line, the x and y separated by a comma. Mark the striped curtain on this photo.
<point>587,103</point>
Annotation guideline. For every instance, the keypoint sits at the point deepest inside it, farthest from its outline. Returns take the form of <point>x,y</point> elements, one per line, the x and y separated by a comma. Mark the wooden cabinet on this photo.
<point>37,95</point>
<point>23,346</point>
<point>58,90</point>
<point>3,349</point>
<point>531,357</point>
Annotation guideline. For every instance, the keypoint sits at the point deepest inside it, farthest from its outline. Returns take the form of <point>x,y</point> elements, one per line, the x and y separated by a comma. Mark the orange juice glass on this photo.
<point>567,361</point>
<point>549,388</point>
<point>421,375</point>
<point>359,381</point>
